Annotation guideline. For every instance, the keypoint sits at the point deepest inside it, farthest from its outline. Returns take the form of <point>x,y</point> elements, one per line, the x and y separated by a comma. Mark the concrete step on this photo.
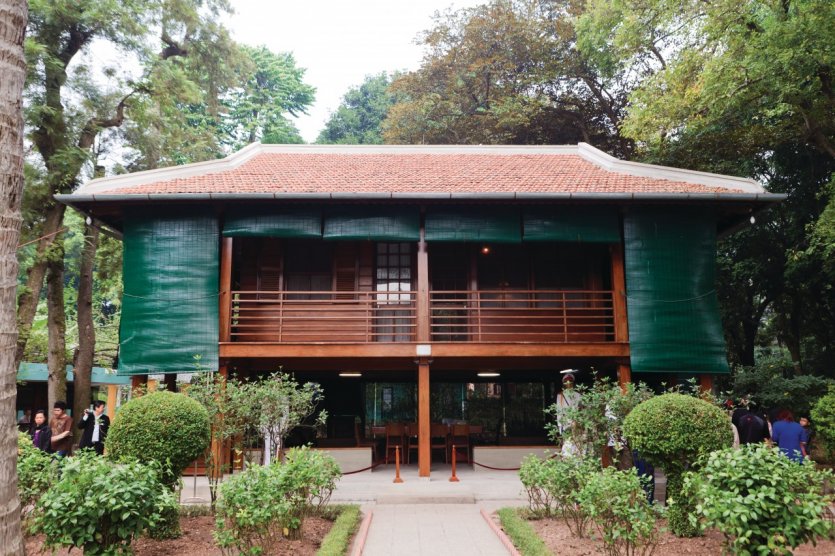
<point>426,498</point>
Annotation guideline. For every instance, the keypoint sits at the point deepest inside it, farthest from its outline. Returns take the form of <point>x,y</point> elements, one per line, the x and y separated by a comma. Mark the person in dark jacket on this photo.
<point>40,432</point>
<point>94,426</point>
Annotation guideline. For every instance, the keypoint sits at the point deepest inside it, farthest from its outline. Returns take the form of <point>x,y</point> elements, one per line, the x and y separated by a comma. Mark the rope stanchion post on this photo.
<point>453,478</point>
<point>397,478</point>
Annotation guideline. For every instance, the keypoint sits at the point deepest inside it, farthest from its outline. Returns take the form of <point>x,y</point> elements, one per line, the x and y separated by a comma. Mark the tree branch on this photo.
<point>172,48</point>
<point>95,125</point>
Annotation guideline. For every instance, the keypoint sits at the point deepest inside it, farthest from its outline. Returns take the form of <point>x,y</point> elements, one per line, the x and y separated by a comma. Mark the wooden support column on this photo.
<point>112,400</point>
<point>423,333</point>
<point>217,445</point>
<point>138,381</point>
<point>424,452</point>
<point>619,293</point>
<point>705,384</point>
<point>225,299</point>
<point>171,382</point>
<point>624,376</point>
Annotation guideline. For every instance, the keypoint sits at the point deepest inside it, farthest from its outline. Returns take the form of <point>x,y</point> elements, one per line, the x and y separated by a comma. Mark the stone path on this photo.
<point>430,529</point>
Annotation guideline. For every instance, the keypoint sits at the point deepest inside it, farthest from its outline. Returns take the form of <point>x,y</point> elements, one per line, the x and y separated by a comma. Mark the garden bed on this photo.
<point>197,540</point>
<point>558,539</point>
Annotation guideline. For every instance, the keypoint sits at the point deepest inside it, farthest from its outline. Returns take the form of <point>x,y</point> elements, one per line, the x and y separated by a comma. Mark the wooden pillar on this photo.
<point>705,384</point>
<point>423,325</point>
<point>112,400</point>
<point>624,376</point>
<point>217,445</point>
<point>619,293</point>
<point>424,453</point>
<point>137,381</point>
<point>171,382</point>
<point>225,299</point>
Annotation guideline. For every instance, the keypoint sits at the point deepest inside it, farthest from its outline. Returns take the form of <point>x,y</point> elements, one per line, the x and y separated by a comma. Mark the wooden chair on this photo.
<point>395,436</point>
<point>362,442</point>
<point>412,434</point>
<point>460,438</point>
<point>439,439</point>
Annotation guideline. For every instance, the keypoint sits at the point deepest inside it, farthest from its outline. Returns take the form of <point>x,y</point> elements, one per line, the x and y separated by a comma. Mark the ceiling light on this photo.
<point>490,373</point>
<point>485,250</point>
<point>351,374</point>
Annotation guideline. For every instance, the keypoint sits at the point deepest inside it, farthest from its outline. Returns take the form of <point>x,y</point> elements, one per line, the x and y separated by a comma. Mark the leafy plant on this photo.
<point>597,417</point>
<point>616,502</point>
<point>37,471</point>
<point>259,506</point>
<point>553,486</point>
<point>279,405</point>
<point>100,506</point>
<point>163,427</point>
<point>673,431</point>
<point>823,419</point>
<point>772,383</point>
<point>763,502</point>
<point>168,428</point>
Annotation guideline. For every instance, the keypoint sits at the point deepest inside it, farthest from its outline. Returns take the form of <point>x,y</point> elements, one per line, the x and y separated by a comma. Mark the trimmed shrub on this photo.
<point>165,427</point>
<point>762,501</point>
<point>100,506</point>
<point>673,431</point>
<point>170,429</point>
<point>36,472</point>
<point>617,504</point>
<point>259,506</point>
<point>823,421</point>
<point>553,486</point>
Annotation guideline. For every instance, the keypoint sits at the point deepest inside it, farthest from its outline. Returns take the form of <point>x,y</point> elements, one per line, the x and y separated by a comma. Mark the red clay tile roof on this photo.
<point>310,169</point>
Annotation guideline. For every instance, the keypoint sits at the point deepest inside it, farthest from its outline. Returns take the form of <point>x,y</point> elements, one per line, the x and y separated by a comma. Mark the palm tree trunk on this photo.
<point>13,14</point>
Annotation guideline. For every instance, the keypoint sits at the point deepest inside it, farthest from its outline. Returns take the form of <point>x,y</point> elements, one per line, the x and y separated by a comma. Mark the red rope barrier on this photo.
<point>372,466</point>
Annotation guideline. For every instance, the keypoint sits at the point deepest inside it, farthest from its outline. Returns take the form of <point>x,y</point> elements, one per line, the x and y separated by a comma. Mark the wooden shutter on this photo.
<point>345,269</point>
<point>269,268</point>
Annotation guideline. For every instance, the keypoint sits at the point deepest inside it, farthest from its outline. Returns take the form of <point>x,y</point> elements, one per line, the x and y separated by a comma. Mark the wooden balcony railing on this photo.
<point>323,316</point>
<point>507,316</point>
<point>522,316</point>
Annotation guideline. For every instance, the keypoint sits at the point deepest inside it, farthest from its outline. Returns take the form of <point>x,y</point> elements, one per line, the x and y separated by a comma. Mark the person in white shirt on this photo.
<point>94,426</point>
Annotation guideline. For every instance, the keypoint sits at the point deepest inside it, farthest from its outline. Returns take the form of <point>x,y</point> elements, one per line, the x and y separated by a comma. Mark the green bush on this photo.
<point>259,506</point>
<point>36,472</point>
<point>617,504</point>
<point>762,501</point>
<point>823,421</point>
<point>553,485</point>
<point>100,506</point>
<point>165,427</point>
<point>772,383</point>
<point>673,431</point>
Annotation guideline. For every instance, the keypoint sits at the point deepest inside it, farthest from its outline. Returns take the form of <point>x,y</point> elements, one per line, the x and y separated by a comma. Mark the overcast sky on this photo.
<point>339,42</point>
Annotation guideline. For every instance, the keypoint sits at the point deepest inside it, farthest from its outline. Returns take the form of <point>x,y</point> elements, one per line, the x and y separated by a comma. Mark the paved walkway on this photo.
<point>431,529</point>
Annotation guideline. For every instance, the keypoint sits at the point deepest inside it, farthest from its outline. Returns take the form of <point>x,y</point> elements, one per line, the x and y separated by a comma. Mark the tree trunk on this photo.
<point>83,368</point>
<point>27,302</point>
<point>56,327</point>
<point>13,69</point>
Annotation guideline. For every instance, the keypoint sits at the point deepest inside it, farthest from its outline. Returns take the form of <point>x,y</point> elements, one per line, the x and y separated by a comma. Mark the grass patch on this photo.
<point>525,539</point>
<point>336,541</point>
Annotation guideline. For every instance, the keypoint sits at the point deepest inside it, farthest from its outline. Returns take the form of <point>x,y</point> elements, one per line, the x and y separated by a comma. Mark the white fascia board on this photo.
<point>612,164</point>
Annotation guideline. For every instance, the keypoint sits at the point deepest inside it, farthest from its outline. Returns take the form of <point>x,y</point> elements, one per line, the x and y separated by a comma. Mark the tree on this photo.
<point>13,15</point>
<point>741,88</point>
<point>509,72</point>
<point>176,43</point>
<point>279,404</point>
<point>360,116</point>
<point>272,90</point>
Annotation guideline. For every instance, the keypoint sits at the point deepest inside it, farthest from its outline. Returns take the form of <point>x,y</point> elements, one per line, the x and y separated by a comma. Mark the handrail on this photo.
<point>481,316</point>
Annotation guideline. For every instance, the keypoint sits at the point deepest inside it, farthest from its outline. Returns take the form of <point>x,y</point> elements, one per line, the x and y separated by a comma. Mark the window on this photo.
<point>308,268</point>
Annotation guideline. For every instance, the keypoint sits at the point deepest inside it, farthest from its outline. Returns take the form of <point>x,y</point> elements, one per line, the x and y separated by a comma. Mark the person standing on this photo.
<point>94,426</point>
<point>789,436</point>
<point>61,430</point>
<point>40,433</point>
<point>567,400</point>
